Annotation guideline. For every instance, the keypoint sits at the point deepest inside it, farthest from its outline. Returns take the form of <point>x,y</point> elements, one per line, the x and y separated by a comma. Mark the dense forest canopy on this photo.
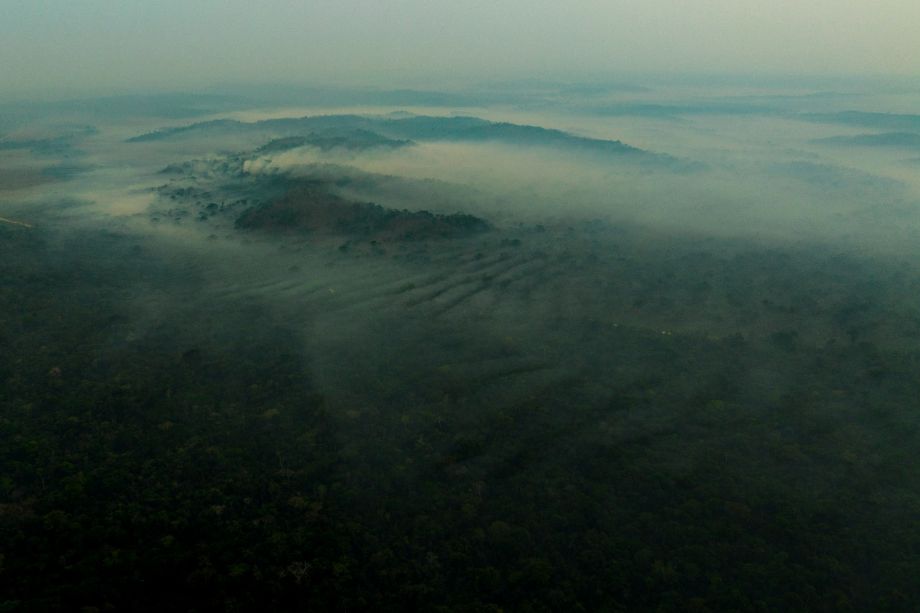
<point>580,348</point>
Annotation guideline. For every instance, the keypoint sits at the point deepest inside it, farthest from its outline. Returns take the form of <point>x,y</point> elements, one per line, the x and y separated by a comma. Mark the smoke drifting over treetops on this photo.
<point>524,321</point>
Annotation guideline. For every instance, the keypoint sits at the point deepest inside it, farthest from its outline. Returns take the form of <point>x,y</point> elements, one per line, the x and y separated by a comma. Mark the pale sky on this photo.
<point>81,46</point>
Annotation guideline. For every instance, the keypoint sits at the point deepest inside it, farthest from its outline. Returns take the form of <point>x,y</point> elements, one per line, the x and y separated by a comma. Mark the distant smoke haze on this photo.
<point>86,46</point>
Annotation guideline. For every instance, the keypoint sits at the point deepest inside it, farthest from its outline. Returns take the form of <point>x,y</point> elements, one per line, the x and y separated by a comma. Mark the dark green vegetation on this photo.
<point>277,203</point>
<point>132,466</point>
<point>316,211</point>
<point>264,392</point>
<point>169,447</point>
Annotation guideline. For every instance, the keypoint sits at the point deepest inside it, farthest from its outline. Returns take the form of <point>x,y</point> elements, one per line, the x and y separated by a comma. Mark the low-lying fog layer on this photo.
<point>785,169</point>
<point>621,350</point>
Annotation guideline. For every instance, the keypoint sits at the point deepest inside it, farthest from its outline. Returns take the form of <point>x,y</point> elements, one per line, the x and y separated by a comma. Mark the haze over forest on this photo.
<point>492,307</point>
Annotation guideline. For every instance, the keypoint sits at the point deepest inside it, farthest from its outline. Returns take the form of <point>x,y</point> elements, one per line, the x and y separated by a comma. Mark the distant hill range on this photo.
<point>881,121</point>
<point>894,140</point>
<point>350,140</point>
<point>356,132</point>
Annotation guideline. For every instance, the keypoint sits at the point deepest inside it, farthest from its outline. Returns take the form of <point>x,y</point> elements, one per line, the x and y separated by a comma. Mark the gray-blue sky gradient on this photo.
<point>107,45</point>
